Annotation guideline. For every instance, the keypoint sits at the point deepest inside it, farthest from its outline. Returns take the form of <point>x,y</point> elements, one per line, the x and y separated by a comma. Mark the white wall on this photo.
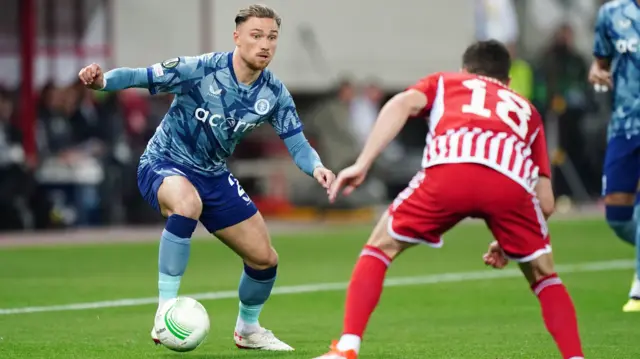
<point>396,42</point>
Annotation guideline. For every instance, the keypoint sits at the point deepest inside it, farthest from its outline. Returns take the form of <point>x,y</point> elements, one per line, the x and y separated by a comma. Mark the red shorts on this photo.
<point>441,196</point>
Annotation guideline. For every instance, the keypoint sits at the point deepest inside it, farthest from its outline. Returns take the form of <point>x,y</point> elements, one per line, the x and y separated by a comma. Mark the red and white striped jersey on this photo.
<point>476,119</point>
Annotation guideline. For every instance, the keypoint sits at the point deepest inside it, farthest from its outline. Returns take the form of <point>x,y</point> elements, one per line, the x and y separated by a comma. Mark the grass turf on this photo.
<point>495,318</point>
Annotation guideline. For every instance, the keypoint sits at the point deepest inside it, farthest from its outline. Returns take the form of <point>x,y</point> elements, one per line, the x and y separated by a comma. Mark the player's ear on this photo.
<point>508,81</point>
<point>236,37</point>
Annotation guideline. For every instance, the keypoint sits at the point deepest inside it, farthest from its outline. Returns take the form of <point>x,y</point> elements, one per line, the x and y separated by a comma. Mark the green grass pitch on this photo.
<point>463,319</point>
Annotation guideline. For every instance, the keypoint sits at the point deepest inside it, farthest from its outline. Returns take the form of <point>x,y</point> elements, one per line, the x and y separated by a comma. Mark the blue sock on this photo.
<point>175,246</point>
<point>254,290</point>
<point>621,220</point>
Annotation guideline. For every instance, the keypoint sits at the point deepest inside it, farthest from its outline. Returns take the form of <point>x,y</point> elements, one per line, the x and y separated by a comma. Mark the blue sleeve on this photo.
<point>285,120</point>
<point>124,77</point>
<point>176,76</point>
<point>305,157</point>
<point>602,46</point>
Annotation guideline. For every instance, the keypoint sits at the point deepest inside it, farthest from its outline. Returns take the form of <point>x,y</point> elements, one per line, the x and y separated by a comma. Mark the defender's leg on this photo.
<point>518,224</point>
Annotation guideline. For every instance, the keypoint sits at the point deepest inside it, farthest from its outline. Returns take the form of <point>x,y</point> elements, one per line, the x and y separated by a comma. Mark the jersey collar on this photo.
<point>233,74</point>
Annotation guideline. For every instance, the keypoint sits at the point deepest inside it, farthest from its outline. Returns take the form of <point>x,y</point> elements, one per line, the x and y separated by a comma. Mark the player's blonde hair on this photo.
<point>257,10</point>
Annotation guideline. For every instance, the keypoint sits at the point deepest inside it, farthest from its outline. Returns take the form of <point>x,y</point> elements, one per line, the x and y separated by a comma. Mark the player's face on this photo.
<point>257,40</point>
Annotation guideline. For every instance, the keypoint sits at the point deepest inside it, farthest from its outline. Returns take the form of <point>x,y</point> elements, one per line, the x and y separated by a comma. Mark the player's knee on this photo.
<point>620,199</point>
<point>190,207</point>
<point>262,260</point>
<point>385,243</point>
<point>177,195</point>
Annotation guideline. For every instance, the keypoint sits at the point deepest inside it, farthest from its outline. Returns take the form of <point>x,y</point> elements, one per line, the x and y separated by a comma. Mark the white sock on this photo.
<point>349,342</point>
<point>161,303</point>
<point>243,327</point>
<point>635,287</point>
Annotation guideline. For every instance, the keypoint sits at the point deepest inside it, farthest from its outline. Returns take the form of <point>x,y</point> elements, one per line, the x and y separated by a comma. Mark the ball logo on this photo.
<point>627,45</point>
<point>262,106</point>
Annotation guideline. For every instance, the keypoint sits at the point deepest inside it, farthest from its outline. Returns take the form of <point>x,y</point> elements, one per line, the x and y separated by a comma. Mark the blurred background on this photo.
<point>68,156</point>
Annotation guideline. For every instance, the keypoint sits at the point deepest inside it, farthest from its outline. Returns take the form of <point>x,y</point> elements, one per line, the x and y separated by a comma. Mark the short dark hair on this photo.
<point>488,58</point>
<point>257,10</point>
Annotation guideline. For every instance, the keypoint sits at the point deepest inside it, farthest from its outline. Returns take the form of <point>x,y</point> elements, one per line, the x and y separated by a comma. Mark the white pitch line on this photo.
<point>327,287</point>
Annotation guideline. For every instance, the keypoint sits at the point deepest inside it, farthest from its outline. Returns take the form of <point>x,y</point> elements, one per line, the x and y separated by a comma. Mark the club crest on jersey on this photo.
<point>171,63</point>
<point>262,106</point>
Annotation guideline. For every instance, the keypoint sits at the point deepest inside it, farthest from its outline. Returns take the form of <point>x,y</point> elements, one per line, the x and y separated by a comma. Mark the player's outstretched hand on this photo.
<point>495,256</point>
<point>92,77</point>
<point>600,78</point>
<point>324,176</point>
<point>349,179</point>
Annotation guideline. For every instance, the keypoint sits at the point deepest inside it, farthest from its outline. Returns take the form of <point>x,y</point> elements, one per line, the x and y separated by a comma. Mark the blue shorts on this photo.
<point>621,165</point>
<point>224,202</point>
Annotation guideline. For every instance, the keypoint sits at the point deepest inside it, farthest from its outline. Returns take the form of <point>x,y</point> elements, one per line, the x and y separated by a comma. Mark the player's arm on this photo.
<point>540,157</point>
<point>171,76</point>
<point>304,156</point>
<point>288,126</point>
<point>392,118</point>
<point>599,74</point>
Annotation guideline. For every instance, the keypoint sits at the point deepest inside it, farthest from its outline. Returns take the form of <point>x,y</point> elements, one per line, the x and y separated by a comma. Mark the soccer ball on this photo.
<point>182,324</point>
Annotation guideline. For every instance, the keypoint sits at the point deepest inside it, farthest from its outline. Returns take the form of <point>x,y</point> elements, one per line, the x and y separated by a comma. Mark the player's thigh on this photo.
<point>424,211</point>
<point>168,189</point>
<point>251,241</point>
<point>621,172</point>
<point>230,214</point>
<point>518,223</point>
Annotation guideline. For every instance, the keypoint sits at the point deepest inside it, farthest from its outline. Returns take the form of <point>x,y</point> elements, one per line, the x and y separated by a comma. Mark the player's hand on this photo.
<point>324,176</point>
<point>349,179</point>
<point>495,256</point>
<point>92,77</point>
<point>601,79</point>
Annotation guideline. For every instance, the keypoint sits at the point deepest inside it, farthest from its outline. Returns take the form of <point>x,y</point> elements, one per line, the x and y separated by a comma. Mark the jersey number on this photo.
<point>233,182</point>
<point>509,103</point>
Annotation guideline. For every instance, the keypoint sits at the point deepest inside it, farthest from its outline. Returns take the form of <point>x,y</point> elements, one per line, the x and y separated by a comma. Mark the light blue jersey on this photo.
<point>617,38</point>
<point>212,111</point>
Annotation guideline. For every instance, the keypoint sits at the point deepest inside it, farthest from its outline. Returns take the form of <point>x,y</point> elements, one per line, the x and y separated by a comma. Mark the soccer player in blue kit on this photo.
<point>617,67</point>
<point>219,98</point>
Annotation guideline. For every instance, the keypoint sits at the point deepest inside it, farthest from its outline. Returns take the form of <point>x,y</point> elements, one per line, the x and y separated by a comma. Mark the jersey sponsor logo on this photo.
<point>627,45</point>
<point>171,63</point>
<point>219,121</point>
<point>262,106</point>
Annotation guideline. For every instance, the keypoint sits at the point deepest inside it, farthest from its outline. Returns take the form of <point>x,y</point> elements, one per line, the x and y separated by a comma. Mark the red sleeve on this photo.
<point>539,153</point>
<point>429,86</point>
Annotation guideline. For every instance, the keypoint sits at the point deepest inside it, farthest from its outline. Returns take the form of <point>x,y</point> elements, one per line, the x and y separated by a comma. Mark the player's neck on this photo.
<point>243,73</point>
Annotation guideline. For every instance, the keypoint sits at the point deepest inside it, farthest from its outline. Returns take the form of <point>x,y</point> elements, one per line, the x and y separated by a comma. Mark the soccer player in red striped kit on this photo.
<point>485,157</point>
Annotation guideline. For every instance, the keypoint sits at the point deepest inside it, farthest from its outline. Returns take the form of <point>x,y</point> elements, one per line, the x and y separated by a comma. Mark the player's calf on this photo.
<point>558,311</point>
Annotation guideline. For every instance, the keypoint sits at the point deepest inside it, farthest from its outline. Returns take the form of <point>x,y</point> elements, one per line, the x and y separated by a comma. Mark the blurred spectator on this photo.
<point>521,73</point>
<point>562,91</point>
<point>69,147</point>
<point>13,189</point>
<point>331,123</point>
